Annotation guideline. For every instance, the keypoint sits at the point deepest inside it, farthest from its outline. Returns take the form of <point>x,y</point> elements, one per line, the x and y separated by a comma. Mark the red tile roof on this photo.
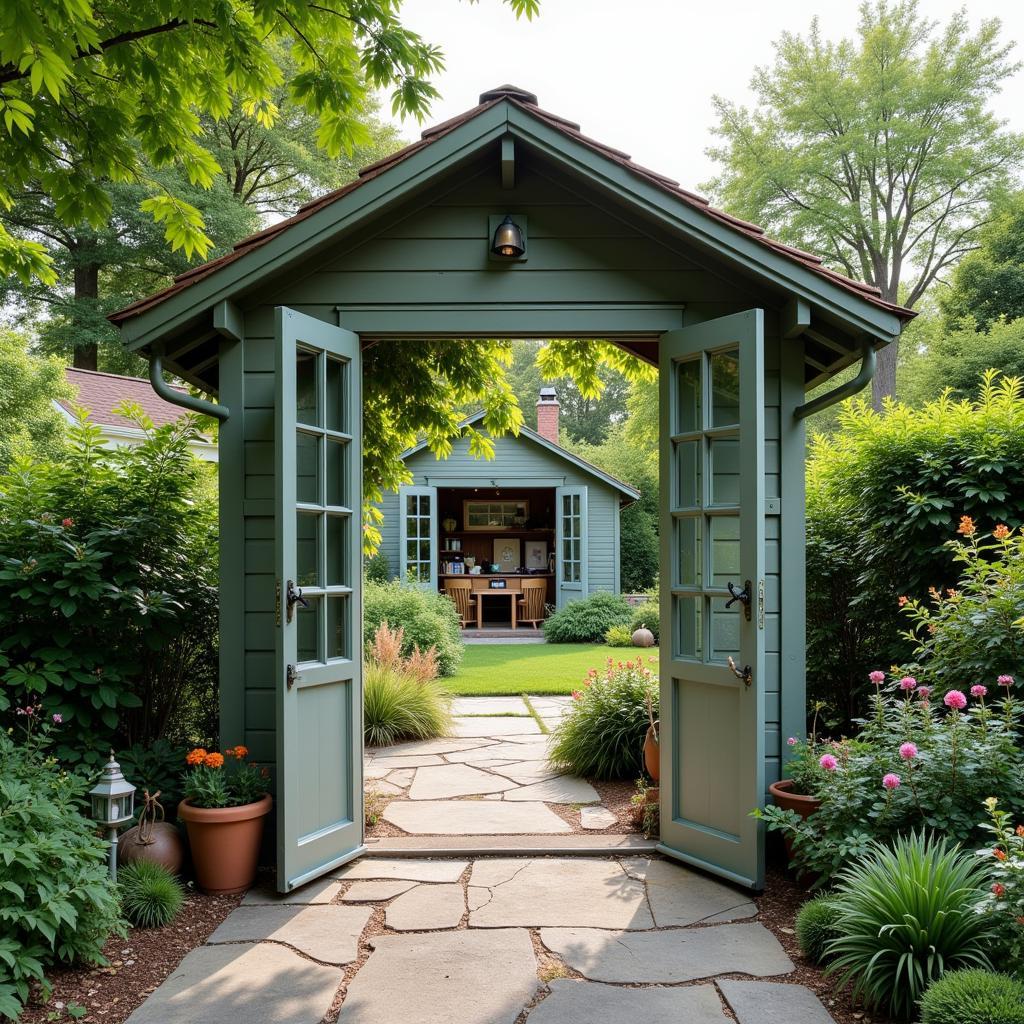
<point>101,392</point>
<point>526,102</point>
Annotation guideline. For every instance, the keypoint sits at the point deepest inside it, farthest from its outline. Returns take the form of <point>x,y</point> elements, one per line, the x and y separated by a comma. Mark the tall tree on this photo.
<point>879,153</point>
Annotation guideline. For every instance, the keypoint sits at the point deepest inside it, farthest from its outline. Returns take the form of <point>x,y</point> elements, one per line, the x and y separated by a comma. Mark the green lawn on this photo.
<point>494,669</point>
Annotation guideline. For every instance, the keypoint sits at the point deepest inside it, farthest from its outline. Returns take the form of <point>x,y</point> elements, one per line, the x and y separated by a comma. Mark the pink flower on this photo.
<point>908,751</point>
<point>791,741</point>
<point>877,677</point>
<point>828,762</point>
<point>924,692</point>
<point>67,523</point>
<point>891,781</point>
<point>955,699</point>
<point>908,683</point>
<point>1006,681</point>
<point>576,694</point>
<point>58,718</point>
<point>979,690</point>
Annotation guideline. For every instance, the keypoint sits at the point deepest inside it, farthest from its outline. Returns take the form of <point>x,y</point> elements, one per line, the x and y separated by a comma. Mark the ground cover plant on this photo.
<point>602,736</point>
<point>588,620</point>
<point>816,927</point>
<point>489,670</point>
<point>974,996</point>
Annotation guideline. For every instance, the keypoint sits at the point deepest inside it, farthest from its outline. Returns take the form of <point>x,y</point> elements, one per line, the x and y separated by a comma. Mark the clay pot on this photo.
<point>225,843</point>
<point>783,795</point>
<point>166,848</point>
<point>643,637</point>
<point>652,754</point>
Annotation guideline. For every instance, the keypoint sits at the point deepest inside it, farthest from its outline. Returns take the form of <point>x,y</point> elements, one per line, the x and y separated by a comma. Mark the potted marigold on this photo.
<point>225,803</point>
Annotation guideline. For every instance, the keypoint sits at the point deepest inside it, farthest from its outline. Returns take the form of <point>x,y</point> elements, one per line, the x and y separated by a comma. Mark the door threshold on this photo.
<point>489,846</point>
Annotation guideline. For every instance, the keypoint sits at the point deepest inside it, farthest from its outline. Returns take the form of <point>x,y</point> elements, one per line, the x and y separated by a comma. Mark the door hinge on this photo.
<point>760,604</point>
<point>277,602</point>
<point>291,676</point>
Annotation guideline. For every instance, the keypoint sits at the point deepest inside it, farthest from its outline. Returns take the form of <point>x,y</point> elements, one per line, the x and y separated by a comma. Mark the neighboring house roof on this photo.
<point>631,493</point>
<point>101,393</point>
<point>526,102</point>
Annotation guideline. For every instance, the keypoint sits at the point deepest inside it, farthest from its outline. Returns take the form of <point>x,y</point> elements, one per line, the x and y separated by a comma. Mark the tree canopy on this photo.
<point>878,153</point>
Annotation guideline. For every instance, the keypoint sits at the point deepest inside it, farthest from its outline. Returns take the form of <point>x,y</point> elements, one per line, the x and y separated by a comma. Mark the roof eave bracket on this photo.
<point>851,387</point>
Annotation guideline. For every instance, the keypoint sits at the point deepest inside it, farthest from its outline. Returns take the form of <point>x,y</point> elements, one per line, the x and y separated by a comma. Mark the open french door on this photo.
<point>418,552</point>
<point>571,556</point>
<point>712,595</point>
<point>318,424</point>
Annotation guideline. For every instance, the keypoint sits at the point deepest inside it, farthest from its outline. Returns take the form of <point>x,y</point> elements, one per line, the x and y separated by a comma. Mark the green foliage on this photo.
<point>988,283</point>
<point>905,917</point>
<point>910,766</point>
<point>602,736</point>
<point>397,706</point>
<point>884,494</point>
<point>648,616</point>
<point>213,779</point>
<point>427,619</point>
<point>816,927</point>
<point>57,903</point>
<point>587,620</point>
<point>638,549</point>
<point>151,896</point>
<point>974,996</point>
<point>155,766</point>
<point>619,636</point>
<point>29,424</point>
<point>378,569</point>
<point>1003,905</point>
<point>108,576</point>
<point>151,77</point>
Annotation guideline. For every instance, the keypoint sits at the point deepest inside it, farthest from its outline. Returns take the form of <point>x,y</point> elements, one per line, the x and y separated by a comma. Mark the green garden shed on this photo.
<point>588,244</point>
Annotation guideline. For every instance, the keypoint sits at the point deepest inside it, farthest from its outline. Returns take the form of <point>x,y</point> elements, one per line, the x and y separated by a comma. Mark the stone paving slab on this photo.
<point>535,749</point>
<point>322,891</point>
<point>491,727</point>
<point>762,1002</point>
<point>264,984</point>
<point>402,777</point>
<point>572,844</point>
<point>562,892</point>
<point>566,789</point>
<point>410,869</point>
<point>527,772</point>
<point>384,788</point>
<point>440,745</point>
<point>405,761</point>
<point>329,934</point>
<point>597,817</point>
<point>473,817</point>
<point>427,907</point>
<point>458,977</point>
<point>680,897</point>
<point>586,1002</point>
<point>489,706</point>
<point>669,957</point>
<point>375,892</point>
<point>375,771</point>
<point>451,780</point>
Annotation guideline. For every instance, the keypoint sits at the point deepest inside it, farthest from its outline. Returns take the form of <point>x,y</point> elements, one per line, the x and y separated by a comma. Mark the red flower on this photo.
<point>66,523</point>
<point>999,890</point>
<point>999,854</point>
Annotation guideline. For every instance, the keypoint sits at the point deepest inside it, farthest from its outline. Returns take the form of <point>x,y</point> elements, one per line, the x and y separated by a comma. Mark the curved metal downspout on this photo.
<point>851,387</point>
<point>190,402</point>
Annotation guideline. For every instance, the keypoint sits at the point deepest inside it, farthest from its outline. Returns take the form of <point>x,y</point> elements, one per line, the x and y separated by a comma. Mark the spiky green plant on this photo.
<point>150,895</point>
<point>816,928</point>
<point>905,917</point>
<point>397,707</point>
<point>974,997</point>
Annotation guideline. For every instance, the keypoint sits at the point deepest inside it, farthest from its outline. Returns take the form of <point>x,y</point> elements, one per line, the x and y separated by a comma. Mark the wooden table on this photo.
<point>513,599</point>
<point>481,587</point>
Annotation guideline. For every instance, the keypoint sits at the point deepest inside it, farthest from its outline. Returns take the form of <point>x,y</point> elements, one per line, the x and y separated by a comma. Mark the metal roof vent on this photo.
<point>508,92</point>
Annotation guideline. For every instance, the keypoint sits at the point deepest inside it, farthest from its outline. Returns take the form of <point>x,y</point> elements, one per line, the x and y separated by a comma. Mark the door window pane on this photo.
<point>337,551</point>
<point>688,639</point>
<point>307,549</point>
<point>688,397</point>
<point>725,550</point>
<point>690,555</point>
<point>725,471</point>
<point>725,629</point>
<point>306,405</point>
<point>689,467</point>
<point>725,388</point>
<point>572,533</point>
<point>419,556</point>
<point>307,468</point>
<point>337,383</point>
<point>338,627</point>
<point>337,472</point>
<point>307,630</point>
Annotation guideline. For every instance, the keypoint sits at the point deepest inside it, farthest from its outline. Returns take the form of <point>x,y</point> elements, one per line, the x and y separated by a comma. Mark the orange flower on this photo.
<point>196,756</point>
<point>1020,831</point>
<point>238,752</point>
<point>903,600</point>
<point>1001,532</point>
<point>999,854</point>
<point>214,760</point>
<point>967,527</point>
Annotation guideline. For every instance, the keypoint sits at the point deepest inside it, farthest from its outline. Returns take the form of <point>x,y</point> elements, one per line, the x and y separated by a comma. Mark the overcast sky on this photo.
<point>639,74</point>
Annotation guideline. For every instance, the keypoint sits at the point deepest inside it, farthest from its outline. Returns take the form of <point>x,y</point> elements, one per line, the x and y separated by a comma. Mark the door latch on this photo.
<point>291,676</point>
<point>745,673</point>
<point>293,596</point>
<point>740,595</point>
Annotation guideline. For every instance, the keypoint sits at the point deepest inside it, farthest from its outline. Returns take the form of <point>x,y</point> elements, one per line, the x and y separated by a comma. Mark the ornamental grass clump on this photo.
<point>602,736</point>
<point>151,896</point>
<point>905,916</point>
<point>815,928</point>
<point>974,996</point>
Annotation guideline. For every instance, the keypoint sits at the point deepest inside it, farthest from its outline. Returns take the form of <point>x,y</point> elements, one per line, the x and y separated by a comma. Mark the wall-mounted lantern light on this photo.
<point>113,804</point>
<point>508,239</point>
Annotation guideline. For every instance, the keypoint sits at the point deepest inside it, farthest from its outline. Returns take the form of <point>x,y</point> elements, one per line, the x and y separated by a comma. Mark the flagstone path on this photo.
<point>530,940</point>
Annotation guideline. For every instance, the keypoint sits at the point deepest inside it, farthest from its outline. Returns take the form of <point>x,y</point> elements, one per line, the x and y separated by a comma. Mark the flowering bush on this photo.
<point>808,759</point>
<point>602,736</point>
<point>1003,904</point>
<point>211,780</point>
<point>972,630</point>
<point>915,763</point>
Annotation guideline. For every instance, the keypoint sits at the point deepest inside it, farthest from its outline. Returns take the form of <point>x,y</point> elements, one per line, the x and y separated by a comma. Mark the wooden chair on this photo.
<point>531,604</point>
<point>465,603</point>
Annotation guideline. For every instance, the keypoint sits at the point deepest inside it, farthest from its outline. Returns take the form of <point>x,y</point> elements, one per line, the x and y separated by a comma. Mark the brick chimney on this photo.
<point>547,414</point>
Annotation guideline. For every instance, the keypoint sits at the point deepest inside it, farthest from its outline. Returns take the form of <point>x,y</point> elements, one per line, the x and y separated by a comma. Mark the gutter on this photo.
<point>169,394</point>
<point>851,387</point>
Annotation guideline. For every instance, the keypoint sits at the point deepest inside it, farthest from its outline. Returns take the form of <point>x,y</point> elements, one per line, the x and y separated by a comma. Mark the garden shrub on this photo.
<point>108,582</point>
<point>378,569</point>
<point>647,614</point>
<point>57,903</point>
<point>397,706</point>
<point>602,736</point>
<point>909,766</point>
<point>883,494</point>
<point>905,915</point>
<point>1003,903</point>
<point>588,620</point>
<point>427,619</point>
<point>151,896</point>
<point>974,996</point>
<point>619,636</point>
<point>816,928</point>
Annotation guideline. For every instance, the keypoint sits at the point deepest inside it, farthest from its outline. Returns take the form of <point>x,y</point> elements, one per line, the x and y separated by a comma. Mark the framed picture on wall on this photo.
<point>536,554</point>
<point>508,553</point>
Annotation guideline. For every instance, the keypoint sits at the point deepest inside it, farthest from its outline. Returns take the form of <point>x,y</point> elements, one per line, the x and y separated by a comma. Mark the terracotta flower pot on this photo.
<point>783,795</point>
<point>225,843</point>
<point>652,754</point>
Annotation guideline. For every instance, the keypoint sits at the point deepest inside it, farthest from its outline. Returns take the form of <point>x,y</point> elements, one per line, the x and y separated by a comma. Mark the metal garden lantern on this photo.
<point>113,804</point>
